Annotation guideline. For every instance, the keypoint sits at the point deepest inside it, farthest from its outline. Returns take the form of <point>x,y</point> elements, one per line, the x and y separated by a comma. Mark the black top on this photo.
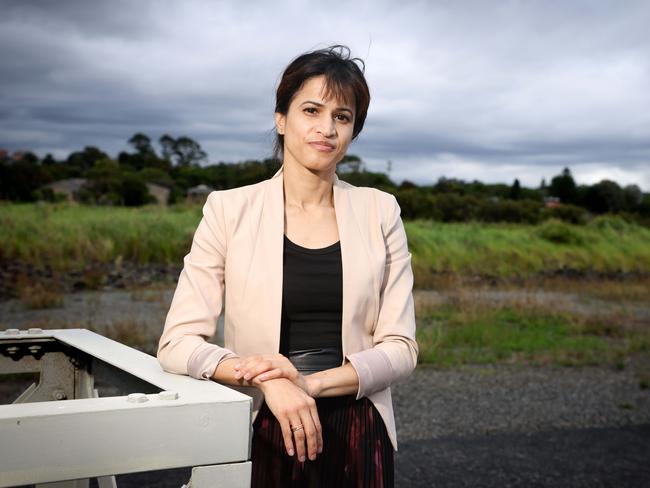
<point>312,304</point>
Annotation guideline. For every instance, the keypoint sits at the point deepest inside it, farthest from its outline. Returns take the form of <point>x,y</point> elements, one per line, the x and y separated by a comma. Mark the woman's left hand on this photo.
<point>256,369</point>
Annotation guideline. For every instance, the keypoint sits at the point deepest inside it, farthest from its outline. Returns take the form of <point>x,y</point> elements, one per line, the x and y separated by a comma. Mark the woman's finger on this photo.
<point>310,433</point>
<point>252,368</point>
<point>269,375</point>
<point>258,368</point>
<point>319,429</point>
<point>287,435</point>
<point>298,431</point>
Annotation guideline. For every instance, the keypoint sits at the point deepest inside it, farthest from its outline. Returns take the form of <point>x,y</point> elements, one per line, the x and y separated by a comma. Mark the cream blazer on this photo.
<point>235,265</point>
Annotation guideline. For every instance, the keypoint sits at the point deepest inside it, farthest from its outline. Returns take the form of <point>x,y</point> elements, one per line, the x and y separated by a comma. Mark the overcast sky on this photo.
<point>474,90</point>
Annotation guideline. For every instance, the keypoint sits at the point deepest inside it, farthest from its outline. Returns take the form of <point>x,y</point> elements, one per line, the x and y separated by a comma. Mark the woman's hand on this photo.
<point>257,369</point>
<point>294,408</point>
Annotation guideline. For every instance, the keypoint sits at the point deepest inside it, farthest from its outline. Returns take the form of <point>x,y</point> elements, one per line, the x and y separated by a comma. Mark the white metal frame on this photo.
<point>184,422</point>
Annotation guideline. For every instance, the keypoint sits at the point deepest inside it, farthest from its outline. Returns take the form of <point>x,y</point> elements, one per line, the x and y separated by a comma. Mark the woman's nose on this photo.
<point>327,126</point>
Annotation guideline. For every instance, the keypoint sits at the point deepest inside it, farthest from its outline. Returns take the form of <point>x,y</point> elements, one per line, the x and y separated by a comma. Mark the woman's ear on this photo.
<point>279,122</point>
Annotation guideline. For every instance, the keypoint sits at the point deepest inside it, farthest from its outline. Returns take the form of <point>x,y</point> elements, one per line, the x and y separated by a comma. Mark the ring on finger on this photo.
<point>296,428</point>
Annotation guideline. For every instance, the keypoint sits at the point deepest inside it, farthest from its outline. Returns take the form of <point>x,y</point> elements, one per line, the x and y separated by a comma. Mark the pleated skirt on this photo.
<point>357,451</point>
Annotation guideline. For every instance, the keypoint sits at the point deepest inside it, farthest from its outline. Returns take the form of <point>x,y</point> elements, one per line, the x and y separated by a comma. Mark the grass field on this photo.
<point>446,258</point>
<point>605,245</point>
<point>564,323</point>
<point>67,237</point>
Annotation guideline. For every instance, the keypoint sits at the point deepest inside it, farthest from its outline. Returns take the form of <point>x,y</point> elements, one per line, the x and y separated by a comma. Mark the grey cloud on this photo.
<point>491,86</point>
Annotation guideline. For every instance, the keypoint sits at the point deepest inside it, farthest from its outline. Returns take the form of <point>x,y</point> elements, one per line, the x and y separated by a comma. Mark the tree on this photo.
<point>564,187</point>
<point>167,143</point>
<point>84,160</point>
<point>605,196</point>
<point>48,160</point>
<point>515,190</point>
<point>142,144</point>
<point>145,155</point>
<point>183,152</point>
<point>632,197</point>
<point>188,152</point>
<point>18,181</point>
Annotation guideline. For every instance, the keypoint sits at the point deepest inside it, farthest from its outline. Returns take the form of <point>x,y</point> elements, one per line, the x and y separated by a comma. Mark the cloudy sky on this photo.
<point>474,90</point>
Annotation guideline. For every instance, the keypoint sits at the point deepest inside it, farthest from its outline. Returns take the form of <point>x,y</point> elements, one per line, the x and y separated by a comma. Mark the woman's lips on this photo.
<point>322,147</point>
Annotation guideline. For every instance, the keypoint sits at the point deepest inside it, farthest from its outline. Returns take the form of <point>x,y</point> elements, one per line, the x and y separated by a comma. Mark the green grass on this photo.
<point>514,250</point>
<point>66,237</point>
<point>455,334</point>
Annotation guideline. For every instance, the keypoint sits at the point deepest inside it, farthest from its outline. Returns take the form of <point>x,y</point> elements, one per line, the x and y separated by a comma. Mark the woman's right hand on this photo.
<point>293,407</point>
<point>259,368</point>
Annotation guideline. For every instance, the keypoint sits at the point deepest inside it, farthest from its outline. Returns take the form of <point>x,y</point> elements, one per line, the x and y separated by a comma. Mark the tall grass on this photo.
<point>65,237</point>
<point>515,250</point>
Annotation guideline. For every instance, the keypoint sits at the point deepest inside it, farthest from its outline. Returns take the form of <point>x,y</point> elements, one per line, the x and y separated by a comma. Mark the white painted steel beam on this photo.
<point>189,423</point>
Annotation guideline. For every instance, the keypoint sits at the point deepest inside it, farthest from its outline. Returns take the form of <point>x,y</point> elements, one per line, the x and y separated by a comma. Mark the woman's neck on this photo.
<point>304,188</point>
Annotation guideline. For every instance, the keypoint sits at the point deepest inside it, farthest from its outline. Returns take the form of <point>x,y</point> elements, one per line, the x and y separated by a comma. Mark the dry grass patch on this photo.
<point>37,296</point>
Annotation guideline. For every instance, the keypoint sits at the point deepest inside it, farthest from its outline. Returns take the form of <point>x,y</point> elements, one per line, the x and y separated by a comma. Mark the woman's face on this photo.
<point>317,132</point>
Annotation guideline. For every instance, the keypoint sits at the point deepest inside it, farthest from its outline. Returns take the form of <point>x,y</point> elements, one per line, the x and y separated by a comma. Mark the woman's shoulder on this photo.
<point>383,199</point>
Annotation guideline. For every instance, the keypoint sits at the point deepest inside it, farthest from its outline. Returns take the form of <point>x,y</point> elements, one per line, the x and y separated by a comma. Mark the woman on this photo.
<point>317,279</point>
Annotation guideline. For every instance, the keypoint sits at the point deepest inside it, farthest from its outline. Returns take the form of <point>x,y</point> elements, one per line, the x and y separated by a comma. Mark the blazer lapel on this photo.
<point>263,288</point>
<point>359,305</point>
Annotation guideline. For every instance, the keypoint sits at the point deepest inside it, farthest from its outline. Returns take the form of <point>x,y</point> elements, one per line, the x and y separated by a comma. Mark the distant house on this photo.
<point>69,187</point>
<point>159,192</point>
<point>552,202</point>
<point>199,193</point>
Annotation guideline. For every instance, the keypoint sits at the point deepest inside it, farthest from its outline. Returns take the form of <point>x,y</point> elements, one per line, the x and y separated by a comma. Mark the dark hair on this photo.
<point>343,79</point>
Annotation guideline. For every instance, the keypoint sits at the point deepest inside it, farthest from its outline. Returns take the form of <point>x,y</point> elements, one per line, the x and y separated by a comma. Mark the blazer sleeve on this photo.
<point>198,301</point>
<point>394,353</point>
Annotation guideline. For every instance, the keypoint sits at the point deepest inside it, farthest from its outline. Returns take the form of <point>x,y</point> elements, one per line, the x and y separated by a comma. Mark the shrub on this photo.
<point>566,213</point>
<point>558,232</point>
<point>610,222</point>
<point>522,211</point>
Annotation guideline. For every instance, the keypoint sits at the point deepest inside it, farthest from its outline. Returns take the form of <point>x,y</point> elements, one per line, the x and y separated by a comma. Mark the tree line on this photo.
<point>180,163</point>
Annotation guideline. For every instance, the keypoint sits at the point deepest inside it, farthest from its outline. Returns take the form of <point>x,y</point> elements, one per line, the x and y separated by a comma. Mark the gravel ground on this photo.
<point>513,426</point>
<point>507,426</point>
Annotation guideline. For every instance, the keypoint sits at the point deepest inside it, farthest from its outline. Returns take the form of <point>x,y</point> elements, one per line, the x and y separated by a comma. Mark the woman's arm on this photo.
<point>333,382</point>
<point>255,370</point>
<point>198,301</point>
<point>393,355</point>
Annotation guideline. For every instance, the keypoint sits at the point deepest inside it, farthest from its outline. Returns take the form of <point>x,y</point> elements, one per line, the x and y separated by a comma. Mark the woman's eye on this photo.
<point>343,117</point>
<point>309,110</point>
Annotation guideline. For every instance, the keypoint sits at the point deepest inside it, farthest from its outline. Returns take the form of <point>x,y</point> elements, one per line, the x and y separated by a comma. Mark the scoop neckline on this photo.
<point>311,250</point>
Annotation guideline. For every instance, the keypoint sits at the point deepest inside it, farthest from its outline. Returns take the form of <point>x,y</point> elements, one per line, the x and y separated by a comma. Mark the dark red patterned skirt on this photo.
<point>357,451</point>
